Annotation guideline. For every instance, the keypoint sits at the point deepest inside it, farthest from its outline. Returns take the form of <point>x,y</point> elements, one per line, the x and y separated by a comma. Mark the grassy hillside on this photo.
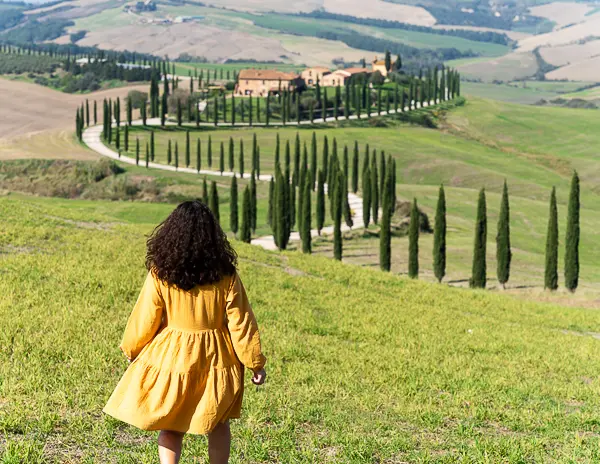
<point>481,145</point>
<point>364,367</point>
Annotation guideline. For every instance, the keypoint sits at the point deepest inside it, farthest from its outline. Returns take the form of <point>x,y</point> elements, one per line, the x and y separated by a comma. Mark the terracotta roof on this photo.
<point>266,74</point>
<point>352,71</point>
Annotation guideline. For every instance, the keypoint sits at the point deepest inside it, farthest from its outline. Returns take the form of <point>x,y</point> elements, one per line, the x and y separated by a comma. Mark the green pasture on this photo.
<point>363,366</point>
<point>476,150</point>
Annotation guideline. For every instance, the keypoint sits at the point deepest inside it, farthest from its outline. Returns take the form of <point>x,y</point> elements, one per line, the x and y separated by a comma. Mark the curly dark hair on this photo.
<point>189,248</point>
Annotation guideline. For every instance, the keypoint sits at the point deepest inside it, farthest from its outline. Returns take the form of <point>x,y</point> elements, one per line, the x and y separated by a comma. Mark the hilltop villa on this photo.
<point>313,75</point>
<point>379,65</point>
<point>341,76</point>
<point>260,82</point>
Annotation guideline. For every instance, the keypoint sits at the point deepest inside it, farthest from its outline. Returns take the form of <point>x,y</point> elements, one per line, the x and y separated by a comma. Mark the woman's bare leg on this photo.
<point>169,446</point>
<point>219,444</point>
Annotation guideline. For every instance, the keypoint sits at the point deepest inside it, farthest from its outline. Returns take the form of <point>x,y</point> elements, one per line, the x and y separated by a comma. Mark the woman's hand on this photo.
<point>259,377</point>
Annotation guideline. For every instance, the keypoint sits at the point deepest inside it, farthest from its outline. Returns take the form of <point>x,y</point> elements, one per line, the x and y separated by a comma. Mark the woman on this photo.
<point>189,336</point>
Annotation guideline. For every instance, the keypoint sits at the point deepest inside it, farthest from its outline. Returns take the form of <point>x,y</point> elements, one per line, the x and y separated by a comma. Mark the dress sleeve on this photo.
<point>243,327</point>
<point>145,319</point>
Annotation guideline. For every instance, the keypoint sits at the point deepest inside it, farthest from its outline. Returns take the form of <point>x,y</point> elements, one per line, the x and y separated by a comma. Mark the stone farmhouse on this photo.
<point>260,82</point>
<point>379,65</point>
<point>313,75</point>
<point>341,76</point>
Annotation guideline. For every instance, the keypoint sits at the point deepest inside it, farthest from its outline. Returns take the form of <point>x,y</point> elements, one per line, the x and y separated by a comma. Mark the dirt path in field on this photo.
<point>38,122</point>
<point>92,137</point>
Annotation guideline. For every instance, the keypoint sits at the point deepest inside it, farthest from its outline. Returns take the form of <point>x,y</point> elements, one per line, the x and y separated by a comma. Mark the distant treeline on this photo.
<point>477,36</point>
<point>19,64</point>
<point>36,31</point>
<point>483,18</point>
<point>10,18</point>
<point>73,50</point>
<point>413,58</point>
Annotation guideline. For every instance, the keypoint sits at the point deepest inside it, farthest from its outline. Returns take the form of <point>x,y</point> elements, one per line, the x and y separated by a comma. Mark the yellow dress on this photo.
<point>189,349</point>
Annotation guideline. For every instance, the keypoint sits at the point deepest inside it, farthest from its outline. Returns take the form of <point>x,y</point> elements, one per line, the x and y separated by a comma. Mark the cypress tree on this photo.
<point>345,163</point>
<point>277,152</point>
<point>222,159</point>
<point>271,200</point>
<point>366,191</point>
<point>337,219</point>
<point>209,152</point>
<point>382,175</point>
<point>306,216</point>
<point>241,158</point>
<point>118,140</point>
<point>176,155</point>
<point>479,278</point>
<point>95,113</point>
<point>413,242</point>
<point>287,159</point>
<point>385,234</point>
<point>295,178</point>
<point>164,108</point>
<point>231,155</point>
<point>152,145</point>
<point>573,237</point>
<point>233,207</point>
<point>320,201</point>
<point>137,151</point>
<point>325,160</point>
<point>87,113</point>
<point>253,202</point>
<point>439,237</point>
<point>198,155</point>
<point>313,161</point>
<point>345,203</point>
<point>205,197</point>
<point>355,168</point>
<point>281,211</point>
<point>254,166</point>
<point>169,152</point>
<point>147,154</point>
<point>503,250</point>
<point>374,190</point>
<point>187,149</point>
<point>551,271</point>
<point>214,201</point>
<point>126,138</point>
<point>257,161</point>
<point>129,111</point>
<point>246,232</point>
<point>143,111</point>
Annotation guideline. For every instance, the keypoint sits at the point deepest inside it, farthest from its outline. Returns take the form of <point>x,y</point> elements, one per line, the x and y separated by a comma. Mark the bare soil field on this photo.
<point>38,122</point>
<point>211,42</point>
<point>320,52</point>
<point>585,70</point>
<point>562,13</point>
<point>507,68</point>
<point>564,36</point>
<point>374,9</point>
<point>381,10</point>
<point>570,54</point>
<point>514,35</point>
<point>50,144</point>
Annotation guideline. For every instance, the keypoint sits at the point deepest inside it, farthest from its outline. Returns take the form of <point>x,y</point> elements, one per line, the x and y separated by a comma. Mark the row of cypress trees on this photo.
<point>503,243</point>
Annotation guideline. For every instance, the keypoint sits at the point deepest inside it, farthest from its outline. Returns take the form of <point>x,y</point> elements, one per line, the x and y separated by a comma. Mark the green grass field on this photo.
<point>482,144</point>
<point>528,92</point>
<point>393,371</point>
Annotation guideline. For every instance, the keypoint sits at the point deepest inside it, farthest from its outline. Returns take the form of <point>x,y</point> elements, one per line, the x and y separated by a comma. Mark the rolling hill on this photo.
<point>395,371</point>
<point>545,39</point>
